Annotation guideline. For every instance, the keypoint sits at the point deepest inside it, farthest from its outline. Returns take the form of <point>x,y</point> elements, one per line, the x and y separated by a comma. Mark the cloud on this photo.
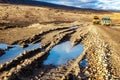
<point>94,4</point>
<point>109,4</point>
<point>64,3</point>
<point>85,0</point>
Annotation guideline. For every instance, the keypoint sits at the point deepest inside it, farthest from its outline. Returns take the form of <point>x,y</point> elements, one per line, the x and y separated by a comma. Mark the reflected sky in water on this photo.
<point>60,54</point>
<point>15,51</point>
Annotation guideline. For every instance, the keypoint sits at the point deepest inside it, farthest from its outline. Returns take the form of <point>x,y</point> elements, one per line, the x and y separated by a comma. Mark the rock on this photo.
<point>9,74</point>
<point>19,67</point>
<point>79,78</point>
<point>24,45</point>
<point>2,52</point>
<point>65,68</point>
<point>9,47</point>
<point>1,66</point>
<point>5,78</point>
<point>49,73</point>
<point>53,74</point>
<point>87,73</point>
<point>36,77</point>
<point>105,65</point>
<point>41,72</point>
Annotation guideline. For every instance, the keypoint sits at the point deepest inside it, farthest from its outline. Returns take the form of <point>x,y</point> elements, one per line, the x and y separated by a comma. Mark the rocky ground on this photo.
<point>101,45</point>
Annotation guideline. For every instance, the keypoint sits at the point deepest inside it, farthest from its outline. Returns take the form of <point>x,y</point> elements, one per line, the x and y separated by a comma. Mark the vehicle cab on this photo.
<point>106,21</point>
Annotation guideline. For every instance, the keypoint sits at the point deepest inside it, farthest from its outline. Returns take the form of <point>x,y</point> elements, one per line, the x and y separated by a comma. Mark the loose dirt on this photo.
<point>101,45</point>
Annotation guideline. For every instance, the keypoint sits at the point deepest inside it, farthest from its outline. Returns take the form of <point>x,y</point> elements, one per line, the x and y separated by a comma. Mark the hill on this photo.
<point>45,4</point>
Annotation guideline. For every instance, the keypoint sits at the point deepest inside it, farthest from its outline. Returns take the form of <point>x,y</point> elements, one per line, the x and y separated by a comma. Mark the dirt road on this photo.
<point>107,52</point>
<point>101,49</point>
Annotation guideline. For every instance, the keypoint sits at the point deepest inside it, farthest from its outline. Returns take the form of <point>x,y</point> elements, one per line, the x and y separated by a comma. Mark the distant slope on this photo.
<point>45,4</point>
<point>35,3</point>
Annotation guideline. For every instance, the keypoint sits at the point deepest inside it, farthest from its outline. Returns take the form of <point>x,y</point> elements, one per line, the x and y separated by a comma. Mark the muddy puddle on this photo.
<point>83,63</point>
<point>15,50</point>
<point>61,53</point>
<point>74,27</point>
<point>3,46</point>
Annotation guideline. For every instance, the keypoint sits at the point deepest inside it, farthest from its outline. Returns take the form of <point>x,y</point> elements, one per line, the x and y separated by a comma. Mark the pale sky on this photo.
<point>94,4</point>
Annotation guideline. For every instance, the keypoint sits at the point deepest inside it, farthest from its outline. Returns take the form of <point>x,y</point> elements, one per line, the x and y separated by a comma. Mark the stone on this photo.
<point>2,52</point>
<point>41,72</point>
<point>53,74</point>
<point>105,65</point>
<point>9,74</point>
<point>87,73</point>
<point>9,47</point>
<point>79,77</point>
<point>36,77</point>
<point>18,67</point>
<point>1,66</point>
<point>24,45</point>
<point>5,78</point>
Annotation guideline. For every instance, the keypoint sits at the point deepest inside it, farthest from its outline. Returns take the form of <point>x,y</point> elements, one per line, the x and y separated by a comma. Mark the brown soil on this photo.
<point>51,27</point>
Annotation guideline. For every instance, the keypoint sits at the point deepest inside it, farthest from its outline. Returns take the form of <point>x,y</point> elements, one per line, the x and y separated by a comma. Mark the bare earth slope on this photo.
<point>53,26</point>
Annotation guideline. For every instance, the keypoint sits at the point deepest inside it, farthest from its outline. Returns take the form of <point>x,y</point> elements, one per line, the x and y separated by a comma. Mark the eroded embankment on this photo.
<point>28,66</point>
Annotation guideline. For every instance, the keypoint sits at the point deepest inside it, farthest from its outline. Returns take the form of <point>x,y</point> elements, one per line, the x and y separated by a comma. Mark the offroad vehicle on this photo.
<point>106,21</point>
<point>96,20</point>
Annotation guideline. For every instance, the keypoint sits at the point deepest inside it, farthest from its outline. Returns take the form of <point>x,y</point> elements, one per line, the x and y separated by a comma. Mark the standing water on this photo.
<point>60,54</point>
<point>74,27</point>
<point>15,51</point>
<point>83,63</point>
<point>3,46</point>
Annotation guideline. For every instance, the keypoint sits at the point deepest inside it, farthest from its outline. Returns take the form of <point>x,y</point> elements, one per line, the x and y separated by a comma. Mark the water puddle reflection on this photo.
<point>74,27</point>
<point>60,54</point>
<point>15,51</point>
<point>3,46</point>
<point>83,63</point>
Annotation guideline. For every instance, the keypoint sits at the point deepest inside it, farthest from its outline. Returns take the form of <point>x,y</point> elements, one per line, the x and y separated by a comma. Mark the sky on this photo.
<point>61,53</point>
<point>94,4</point>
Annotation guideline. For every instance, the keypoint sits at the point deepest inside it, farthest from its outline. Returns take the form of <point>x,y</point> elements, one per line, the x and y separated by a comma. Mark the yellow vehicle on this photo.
<point>96,20</point>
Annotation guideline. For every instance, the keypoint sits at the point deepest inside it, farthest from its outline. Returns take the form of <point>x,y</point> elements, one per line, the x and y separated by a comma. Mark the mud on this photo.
<point>101,49</point>
<point>97,52</point>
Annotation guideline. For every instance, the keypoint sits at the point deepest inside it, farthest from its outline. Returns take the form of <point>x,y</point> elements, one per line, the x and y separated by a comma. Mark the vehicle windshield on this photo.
<point>95,17</point>
<point>105,18</point>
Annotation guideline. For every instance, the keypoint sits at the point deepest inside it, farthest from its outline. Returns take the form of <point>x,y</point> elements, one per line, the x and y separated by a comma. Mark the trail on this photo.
<point>100,50</point>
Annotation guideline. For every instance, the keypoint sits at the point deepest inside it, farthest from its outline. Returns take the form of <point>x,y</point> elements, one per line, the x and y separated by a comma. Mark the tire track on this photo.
<point>27,54</point>
<point>97,52</point>
<point>37,37</point>
<point>30,60</point>
<point>58,73</point>
<point>99,64</point>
